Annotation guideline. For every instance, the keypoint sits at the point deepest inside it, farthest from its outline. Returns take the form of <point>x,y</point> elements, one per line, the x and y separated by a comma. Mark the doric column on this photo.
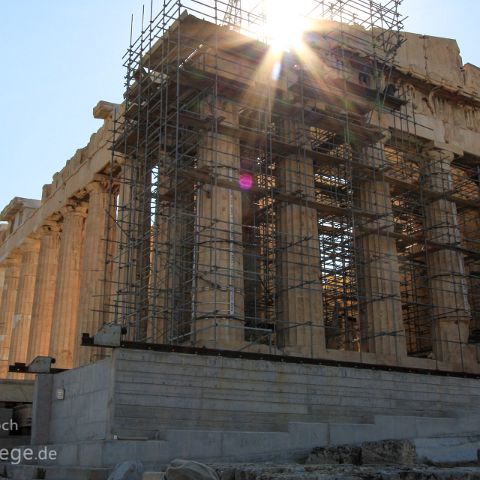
<point>3,269</point>
<point>161,237</point>
<point>473,269</point>
<point>63,340</point>
<point>299,296</point>
<point>43,299</point>
<point>90,307</point>
<point>111,256</point>
<point>470,226</point>
<point>381,321</point>
<point>23,306</point>
<point>7,308</point>
<point>450,310</point>
<point>133,271</point>
<point>218,251</point>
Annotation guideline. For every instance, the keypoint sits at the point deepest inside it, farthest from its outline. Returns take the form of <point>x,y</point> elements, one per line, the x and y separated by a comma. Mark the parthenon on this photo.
<point>330,212</point>
<point>321,203</point>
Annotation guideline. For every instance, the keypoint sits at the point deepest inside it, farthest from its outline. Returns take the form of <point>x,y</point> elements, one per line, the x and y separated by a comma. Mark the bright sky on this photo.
<point>61,56</point>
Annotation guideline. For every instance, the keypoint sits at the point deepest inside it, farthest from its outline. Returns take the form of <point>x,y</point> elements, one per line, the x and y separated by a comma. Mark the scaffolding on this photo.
<point>282,202</point>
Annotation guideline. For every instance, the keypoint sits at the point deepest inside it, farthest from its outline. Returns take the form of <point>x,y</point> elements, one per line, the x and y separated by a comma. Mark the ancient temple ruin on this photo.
<point>319,204</point>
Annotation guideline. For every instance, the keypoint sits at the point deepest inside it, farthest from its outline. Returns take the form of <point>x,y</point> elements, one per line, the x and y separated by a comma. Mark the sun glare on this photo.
<point>285,24</point>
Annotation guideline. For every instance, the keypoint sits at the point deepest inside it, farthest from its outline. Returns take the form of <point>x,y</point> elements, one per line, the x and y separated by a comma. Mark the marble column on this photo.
<point>474,275</point>
<point>91,306</point>
<point>447,283</point>
<point>300,327</point>
<point>133,269</point>
<point>3,269</point>
<point>7,308</point>
<point>161,239</point>
<point>381,319</point>
<point>111,271</point>
<point>218,250</point>
<point>63,339</point>
<point>43,299</point>
<point>23,306</point>
<point>470,227</point>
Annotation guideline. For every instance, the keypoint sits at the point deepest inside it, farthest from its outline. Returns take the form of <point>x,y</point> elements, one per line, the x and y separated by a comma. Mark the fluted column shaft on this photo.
<point>23,306</point>
<point>7,309</point>
<point>218,283</point>
<point>381,319</point>
<point>161,237</point>
<point>445,266</point>
<point>90,307</point>
<point>134,255</point>
<point>300,304</point>
<point>3,269</point>
<point>44,296</point>
<point>64,339</point>
<point>470,220</point>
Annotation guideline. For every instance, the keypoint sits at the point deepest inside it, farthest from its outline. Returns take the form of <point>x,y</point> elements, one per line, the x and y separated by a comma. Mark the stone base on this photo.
<point>157,406</point>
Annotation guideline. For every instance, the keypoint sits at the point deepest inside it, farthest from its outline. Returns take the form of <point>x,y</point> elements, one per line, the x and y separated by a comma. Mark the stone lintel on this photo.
<point>74,207</point>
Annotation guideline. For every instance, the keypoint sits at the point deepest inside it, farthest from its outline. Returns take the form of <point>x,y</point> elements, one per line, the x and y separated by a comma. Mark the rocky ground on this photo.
<point>384,460</point>
<point>345,472</point>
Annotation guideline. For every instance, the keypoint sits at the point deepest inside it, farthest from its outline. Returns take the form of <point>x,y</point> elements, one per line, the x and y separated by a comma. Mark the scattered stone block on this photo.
<point>335,455</point>
<point>396,452</point>
<point>129,470</point>
<point>189,470</point>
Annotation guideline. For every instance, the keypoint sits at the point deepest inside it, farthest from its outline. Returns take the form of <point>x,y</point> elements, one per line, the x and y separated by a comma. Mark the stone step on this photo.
<point>293,444</point>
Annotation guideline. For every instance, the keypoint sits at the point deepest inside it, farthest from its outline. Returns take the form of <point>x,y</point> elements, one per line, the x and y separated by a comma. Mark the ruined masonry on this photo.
<point>260,224</point>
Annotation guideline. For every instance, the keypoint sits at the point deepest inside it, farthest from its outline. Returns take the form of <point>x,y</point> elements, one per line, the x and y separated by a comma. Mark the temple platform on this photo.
<point>157,406</point>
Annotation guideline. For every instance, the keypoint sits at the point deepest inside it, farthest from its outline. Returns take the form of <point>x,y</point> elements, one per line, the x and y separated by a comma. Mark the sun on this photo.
<point>285,24</point>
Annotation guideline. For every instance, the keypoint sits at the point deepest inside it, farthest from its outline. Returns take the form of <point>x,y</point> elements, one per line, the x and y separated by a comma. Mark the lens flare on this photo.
<point>246,181</point>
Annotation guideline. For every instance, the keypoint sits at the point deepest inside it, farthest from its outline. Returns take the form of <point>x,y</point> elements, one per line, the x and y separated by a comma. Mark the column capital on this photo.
<point>31,244</point>
<point>120,159</point>
<point>74,208</point>
<point>13,260</point>
<point>444,147</point>
<point>372,155</point>
<point>436,153</point>
<point>98,186</point>
<point>50,226</point>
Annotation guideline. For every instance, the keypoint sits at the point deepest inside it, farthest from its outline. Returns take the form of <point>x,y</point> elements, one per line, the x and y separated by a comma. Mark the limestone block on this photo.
<point>472,78</point>
<point>434,57</point>
<point>129,470</point>
<point>443,61</point>
<point>189,470</point>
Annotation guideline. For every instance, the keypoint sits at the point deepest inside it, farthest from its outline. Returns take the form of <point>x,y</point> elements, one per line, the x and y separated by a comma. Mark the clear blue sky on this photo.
<point>61,56</point>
